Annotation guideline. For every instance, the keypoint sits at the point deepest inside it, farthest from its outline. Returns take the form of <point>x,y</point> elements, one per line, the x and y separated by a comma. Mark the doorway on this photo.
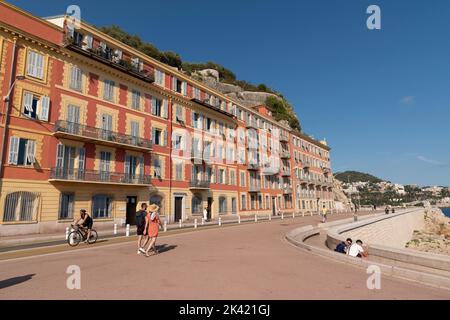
<point>274,206</point>
<point>178,208</point>
<point>210,201</point>
<point>131,210</point>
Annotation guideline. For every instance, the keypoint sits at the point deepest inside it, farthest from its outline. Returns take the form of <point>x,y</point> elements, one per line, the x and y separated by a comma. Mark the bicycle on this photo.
<point>78,234</point>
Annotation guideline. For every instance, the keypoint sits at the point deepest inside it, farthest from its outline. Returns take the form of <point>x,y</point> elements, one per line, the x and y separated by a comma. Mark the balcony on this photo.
<point>206,104</point>
<point>286,172</point>
<point>200,184</point>
<point>108,58</point>
<point>92,176</point>
<point>287,190</point>
<point>254,188</point>
<point>70,130</point>
<point>284,138</point>
<point>251,125</point>
<point>253,166</point>
<point>285,154</point>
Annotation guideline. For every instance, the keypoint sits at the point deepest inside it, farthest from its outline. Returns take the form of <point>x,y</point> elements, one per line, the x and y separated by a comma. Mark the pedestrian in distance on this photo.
<point>324,214</point>
<point>205,214</point>
<point>386,210</point>
<point>152,225</point>
<point>140,228</point>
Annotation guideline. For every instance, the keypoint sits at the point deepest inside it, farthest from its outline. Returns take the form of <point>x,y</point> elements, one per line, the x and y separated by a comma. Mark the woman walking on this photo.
<point>152,224</point>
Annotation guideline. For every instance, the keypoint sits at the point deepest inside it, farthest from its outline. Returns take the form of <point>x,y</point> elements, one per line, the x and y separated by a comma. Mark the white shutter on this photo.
<point>60,155</point>
<point>127,165</point>
<point>184,88</point>
<point>45,108</point>
<point>153,106</point>
<point>39,66</point>
<point>28,102</point>
<point>81,159</point>
<point>174,83</point>
<point>165,109</point>
<point>141,166</point>
<point>13,150</point>
<point>31,63</point>
<point>30,150</point>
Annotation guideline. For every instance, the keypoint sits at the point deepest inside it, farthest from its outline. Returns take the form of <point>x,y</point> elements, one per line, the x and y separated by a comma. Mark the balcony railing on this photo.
<point>284,138</point>
<point>285,154</point>
<point>253,166</point>
<point>200,184</point>
<point>69,129</point>
<point>78,175</point>
<point>251,124</point>
<point>287,190</point>
<point>108,58</point>
<point>286,172</point>
<point>254,188</point>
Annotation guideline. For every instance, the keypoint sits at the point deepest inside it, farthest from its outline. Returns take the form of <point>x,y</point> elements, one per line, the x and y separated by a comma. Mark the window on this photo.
<point>197,120</point>
<point>66,204</point>
<point>177,142</point>
<point>242,179</point>
<point>105,158</point>
<point>36,107</point>
<point>135,100</point>
<point>159,77</point>
<point>108,90</point>
<point>232,177</point>
<point>157,171</point>
<point>179,114</point>
<point>196,205</point>
<point>76,78</point>
<point>159,137</point>
<point>221,176</point>
<point>233,206</point>
<point>222,205</point>
<point>21,151</point>
<point>134,131</point>
<point>196,93</point>
<point>243,202</point>
<point>267,202</point>
<point>130,166</point>
<point>21,206</point>
<point>160,107</point>
<point>35,65</point>
<point>179,171</point>
<point>101,206</point>
<point>159,201</point>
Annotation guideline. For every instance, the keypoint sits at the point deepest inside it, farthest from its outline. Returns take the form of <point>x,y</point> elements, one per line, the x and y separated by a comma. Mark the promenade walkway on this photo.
<point>247,261</point>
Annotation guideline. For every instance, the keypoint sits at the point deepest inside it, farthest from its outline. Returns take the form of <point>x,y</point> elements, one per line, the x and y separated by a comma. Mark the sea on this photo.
<point>446,211</point>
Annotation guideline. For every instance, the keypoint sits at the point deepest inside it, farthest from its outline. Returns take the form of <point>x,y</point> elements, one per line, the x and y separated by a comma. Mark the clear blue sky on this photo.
<point>380,98</point>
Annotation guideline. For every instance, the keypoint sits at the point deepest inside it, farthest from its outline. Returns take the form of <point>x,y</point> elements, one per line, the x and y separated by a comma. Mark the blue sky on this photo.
<point>381,98</point>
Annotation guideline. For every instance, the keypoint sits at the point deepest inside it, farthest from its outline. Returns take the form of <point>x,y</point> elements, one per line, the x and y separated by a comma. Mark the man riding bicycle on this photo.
<point>85,222</point>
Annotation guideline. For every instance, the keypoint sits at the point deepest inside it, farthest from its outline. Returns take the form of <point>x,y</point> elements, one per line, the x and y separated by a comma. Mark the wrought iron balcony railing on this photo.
<point>67,174</point>
<point>200,184</point>
<point>109,58</point>
<point>285,154</point>
<point>253,166</point>
<point>64,128</point>
<point>284,138</point>
<point>254,188</point>
<point>287,190</point>
<point>251,124</point>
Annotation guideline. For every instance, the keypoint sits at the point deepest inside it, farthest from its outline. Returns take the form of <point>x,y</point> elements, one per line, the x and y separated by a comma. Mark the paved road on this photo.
<point>251,261</point>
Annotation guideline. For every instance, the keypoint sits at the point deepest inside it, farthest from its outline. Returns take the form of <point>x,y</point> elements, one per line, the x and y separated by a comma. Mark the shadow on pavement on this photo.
<point>16,280</point>
<point>164,248</point>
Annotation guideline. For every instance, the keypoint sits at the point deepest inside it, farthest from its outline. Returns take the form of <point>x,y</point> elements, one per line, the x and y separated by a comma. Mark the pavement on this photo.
<point>247,261</point>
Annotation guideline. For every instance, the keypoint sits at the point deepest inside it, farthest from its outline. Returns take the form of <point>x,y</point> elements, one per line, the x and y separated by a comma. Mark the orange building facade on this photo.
<point>88,122</point>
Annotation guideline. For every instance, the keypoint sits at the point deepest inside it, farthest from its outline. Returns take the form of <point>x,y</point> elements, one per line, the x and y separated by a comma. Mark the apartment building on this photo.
<point>89,122</point>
